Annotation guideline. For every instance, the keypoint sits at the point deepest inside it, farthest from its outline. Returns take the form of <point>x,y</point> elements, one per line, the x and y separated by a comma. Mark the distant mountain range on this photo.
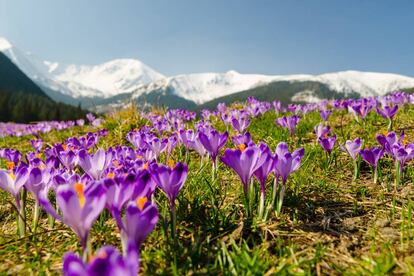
<point>114,83</point>
<point>22,100</point>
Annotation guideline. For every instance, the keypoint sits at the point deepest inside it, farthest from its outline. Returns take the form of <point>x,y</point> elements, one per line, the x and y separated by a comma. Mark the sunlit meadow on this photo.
<point>255,188</point>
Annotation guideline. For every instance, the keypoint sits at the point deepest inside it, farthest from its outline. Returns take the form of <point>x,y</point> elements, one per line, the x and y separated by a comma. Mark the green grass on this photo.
<point>329,224</point>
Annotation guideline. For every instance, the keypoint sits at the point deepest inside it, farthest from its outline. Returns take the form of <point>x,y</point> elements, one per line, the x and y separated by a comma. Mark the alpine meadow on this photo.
<point>211,137</point>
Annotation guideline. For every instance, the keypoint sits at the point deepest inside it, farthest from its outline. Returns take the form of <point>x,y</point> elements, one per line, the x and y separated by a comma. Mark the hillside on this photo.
<point>21,100</point>
<point>283,91</point>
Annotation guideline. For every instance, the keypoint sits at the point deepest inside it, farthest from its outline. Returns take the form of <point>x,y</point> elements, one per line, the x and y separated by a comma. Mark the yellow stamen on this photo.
<point>110,175</point>
<point>139,156</point>
<point>141,202</point>
<point>171,163</point>
<point>12,176</point>
<point>10,165</point>
<point>79,188</point>
<point>385,133</point>
<point>116,164</point>
<point>145,166</point>
<point>42,166</point>
<point>242,147</point>
<point>65,147</point>
<point>39,155</point>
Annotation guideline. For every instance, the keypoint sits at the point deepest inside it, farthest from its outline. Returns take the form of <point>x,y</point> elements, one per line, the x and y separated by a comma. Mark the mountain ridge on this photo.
<point>82,81</point>
<point>131,80</point>
<point>22,100</point>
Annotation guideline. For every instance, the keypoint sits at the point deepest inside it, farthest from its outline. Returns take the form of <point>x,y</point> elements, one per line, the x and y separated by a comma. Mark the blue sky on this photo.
<point>177,36</point>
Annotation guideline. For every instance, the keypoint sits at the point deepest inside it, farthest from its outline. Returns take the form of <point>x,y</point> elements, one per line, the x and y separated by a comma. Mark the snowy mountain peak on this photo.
<point>204,87</point>
<point>5,44</point>
<point>110,78</point>
<point>82,81</point>
<point>119,76</point>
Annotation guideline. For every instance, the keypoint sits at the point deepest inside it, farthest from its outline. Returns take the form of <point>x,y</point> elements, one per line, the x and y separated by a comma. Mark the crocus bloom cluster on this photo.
<point>213,141</point>
<point>289,122</point>
<point>75,180</point>
<point>327,142</point>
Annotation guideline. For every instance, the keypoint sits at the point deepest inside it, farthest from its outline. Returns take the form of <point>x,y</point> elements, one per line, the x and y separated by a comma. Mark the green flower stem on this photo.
<point>36,214</point>
<point>280,199</point>
<point>21,216</point>
<point>356,170</point>
<point>397,174</point>
<point>389,125</point>
<point>174,225</point>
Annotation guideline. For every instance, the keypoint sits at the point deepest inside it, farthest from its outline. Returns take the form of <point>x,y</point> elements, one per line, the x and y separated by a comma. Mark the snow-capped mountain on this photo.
<point>107,79</point>
<point>82,81</point>
<point>123,80</point>
<point>201,88</point>
<point>204,87</point>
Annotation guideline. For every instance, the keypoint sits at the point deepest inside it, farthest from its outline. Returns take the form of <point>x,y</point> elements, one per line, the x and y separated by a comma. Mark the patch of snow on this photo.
<point>4,44</point>
<point>307,96</point>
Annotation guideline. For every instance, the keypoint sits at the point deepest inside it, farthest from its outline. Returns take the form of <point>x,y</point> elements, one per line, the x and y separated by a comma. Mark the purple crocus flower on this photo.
<point>141,217</point>
<point>244,161</point>
<point>403,153</point>
<point>213,141</point>
<point>170,179</point>
<point>94,165</point>
<point>322,131</point>
<point>120,190</point>
<point>289,122</point>
<point>266,168</point>
<point>80,122</point>
<point>66,156</point>
<point>107,261</point>
<point>12,181</point>
<point>388,140</point>
<point>38,178</point>
<point>12,155</point>
<point>245,139</point>
<point>387,111</point>
<point>240,122</point>
<point>157,146</point>
<point>352,147</point>
<point>79,206</point>
<point>286,163</point>
<point>196,145</point>
<point>277,105</point>
<point>372,156</point>
<point>362,107</point>
<point>263,172</point>
<point>327,143</point>
<point>90,117</point>
<point>325,114</point>
<point>37,144</point>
